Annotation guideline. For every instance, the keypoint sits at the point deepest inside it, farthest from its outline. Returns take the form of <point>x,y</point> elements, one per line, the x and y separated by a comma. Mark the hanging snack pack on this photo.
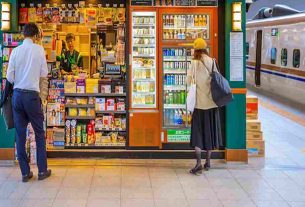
<point>101,15</point>
<point>76,16</point>
<point>39,14</point>
<point>23,16</point>
<point>108,16</point>
<point>63,17</point>
<point>32,14</point>
<point>91,16</point>
<point>47,14</point>
<point>55,15</point>
<point>120,14</point>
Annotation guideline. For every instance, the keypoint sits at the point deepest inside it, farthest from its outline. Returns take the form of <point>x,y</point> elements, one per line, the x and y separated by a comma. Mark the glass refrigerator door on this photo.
<point>185,27</point>
<point>176,62</point>
<point>144,60</point>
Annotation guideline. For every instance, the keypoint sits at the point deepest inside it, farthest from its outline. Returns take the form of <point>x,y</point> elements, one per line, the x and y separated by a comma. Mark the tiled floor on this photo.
<point>278,180</point>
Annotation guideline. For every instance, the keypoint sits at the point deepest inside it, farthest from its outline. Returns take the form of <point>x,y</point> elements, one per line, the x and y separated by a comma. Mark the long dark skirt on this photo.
<point>206,129</point>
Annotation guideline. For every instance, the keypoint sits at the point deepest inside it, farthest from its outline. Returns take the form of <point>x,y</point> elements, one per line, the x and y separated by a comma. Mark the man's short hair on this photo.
<point>70,37</point>
<point>30,30</point>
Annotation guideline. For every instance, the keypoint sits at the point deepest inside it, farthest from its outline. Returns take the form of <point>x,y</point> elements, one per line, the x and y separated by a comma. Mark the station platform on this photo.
<point>278,179</point>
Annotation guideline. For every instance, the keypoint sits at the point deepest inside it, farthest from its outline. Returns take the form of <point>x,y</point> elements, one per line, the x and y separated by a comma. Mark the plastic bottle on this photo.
<point>176,118</point>
<point>178,97</point>
<point>171,117</point>
<point>180,119</point>
<point>171,97</point>
<point>196,21</point>
<point>182,97</point>
<point>175,21</point>
<point>175,97</point>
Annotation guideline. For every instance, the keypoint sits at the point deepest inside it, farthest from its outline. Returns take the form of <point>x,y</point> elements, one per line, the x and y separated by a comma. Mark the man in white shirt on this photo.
<point>26,66</point>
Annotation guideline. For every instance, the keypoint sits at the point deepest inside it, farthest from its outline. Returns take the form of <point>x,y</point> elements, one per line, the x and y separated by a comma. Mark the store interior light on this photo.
<point>5,16</point>
<point>237,16</point>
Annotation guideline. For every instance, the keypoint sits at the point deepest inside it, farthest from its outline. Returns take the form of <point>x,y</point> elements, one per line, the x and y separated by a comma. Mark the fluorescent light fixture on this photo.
<point>5,16</point>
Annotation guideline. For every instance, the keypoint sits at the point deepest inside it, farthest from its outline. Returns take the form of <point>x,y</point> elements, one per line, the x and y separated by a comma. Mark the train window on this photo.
<point>273,55</point>
<point>247,50</point>
<point>296,58</point>
<point>284,57</point>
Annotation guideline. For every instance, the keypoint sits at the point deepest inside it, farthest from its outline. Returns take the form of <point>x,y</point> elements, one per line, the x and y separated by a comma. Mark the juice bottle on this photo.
<point>171,20</point>
<point>175,21</point>
<point>196,21</point>
<point>175,97</point>
<point>200,21</point>
<point>176,35</point>
<point>204,21</point>
<point>171,117</point>
<point>166,97</point>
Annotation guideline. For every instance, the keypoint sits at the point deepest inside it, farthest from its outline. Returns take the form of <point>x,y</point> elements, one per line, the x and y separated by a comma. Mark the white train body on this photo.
<point>279,74</point>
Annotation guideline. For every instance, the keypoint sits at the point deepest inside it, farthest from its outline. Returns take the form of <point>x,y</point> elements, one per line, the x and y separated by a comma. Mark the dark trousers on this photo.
<point>27,109</point>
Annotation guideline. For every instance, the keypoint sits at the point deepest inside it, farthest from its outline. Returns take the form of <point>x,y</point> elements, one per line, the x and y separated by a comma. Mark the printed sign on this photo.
<point>112,69</point>
<point>178,135</point>
<point>274,32</point>
<point>207,2</point>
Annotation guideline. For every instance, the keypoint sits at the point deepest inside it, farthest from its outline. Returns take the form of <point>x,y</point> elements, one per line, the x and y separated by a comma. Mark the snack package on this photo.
<point>120,104</point>
<point>82,15</point>
<point>91,16</point>
<point>108,16</point>
<point>32,14</point>
<point>39,14</point>
<point>120,15</point>
<point>91,100</point>
<point>101,16</point>
<point>82,112</point>
<point>72,111</point>
<point>77,15</point>
<point>73,131</point>
<point>100,104</point>
<point>63,17</point>
<point>117,122</point>
<point>110,106</point>
<point>81,101</point>
<point>68,132</point>
<point>23,16</point>
<point>47,14</point>
<point>55,15</point>
<point>79,133</point>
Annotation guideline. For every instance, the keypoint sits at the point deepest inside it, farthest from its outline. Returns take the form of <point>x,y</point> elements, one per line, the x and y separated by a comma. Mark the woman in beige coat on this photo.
<point>205,131</point>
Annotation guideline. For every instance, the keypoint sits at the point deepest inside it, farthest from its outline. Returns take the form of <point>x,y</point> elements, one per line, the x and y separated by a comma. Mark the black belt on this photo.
<point>25,91</point>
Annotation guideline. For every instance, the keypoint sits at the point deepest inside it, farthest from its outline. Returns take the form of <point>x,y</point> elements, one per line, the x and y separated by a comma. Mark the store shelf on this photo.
<point>144,55</point>
<point>80,117</point>
<point>148,36</point>
<point>110,112</point>
<point>96,146</point>
<point>174,106</point>
<point>95,94</point>
<point>175,87</point>
<point>175,58</point>
<point>80,106</point>
<point>143,93</point>
<point>175,71</point>
<point>144,25</point>
<point>173,28</point>
<point>143,79</point>
<point>55,125</point>
<point>144,106</point>
<point>110,130</point>
<point>143,45</point>
<point>144,68</point>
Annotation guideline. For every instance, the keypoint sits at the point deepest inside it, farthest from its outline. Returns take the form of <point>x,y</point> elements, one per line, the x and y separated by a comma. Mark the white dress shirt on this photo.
<point>26,65</point>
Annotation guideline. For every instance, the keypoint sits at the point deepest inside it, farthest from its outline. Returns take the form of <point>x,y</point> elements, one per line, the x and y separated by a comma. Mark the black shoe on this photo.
<point>26,178</point>
<point>196,169</point>
<point>206,167</point>
<point>44,175</point>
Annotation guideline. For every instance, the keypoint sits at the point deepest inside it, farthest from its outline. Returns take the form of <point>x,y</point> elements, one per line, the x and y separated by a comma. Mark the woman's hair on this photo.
<point>198,54</point>
<point>30,30</point>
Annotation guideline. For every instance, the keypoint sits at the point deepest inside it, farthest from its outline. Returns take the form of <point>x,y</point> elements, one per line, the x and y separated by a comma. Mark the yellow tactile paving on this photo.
<point>282,112</point>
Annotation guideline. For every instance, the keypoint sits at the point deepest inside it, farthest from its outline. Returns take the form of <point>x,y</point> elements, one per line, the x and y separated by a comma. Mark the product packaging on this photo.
<point>32,14</point>
<point>23,16</point>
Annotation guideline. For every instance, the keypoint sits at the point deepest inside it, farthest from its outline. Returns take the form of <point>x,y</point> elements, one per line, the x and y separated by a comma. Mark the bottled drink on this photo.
<point>176,118</point>
<point>172,52</point>
<point>183,20</point>
<point>196,21</point>
<point>165,80</point>
<point>175,21</point>
<point>200,21</point>
<point>171,117</point>
<point>182,97</point>
<point>192,21</point>
<point>175,97</point>
<point>166,117</point>
<point>180,120</point>
<point>183,35</point>
<point>178,97</point>
<point>176,80</point>
<point>164,20</point>
<point>176,35</point>
<point>171,97</point>
<point>172,20</point>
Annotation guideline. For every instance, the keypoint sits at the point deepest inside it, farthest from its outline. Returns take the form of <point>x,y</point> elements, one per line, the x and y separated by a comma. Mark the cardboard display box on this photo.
<point>254,125</point>
<point>254,135</point>
<point>256,148</point>
<point>252,105</point>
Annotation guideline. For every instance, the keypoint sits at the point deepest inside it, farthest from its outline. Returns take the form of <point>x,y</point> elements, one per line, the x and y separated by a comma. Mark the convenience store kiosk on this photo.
<point>158,55</point>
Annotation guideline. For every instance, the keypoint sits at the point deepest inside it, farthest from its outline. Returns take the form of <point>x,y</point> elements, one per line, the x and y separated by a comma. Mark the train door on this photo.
<point>258,62</point>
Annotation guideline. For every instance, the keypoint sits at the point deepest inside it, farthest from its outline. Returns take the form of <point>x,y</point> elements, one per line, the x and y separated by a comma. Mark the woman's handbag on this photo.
<point>191,95</point>
<point>220,88</point>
